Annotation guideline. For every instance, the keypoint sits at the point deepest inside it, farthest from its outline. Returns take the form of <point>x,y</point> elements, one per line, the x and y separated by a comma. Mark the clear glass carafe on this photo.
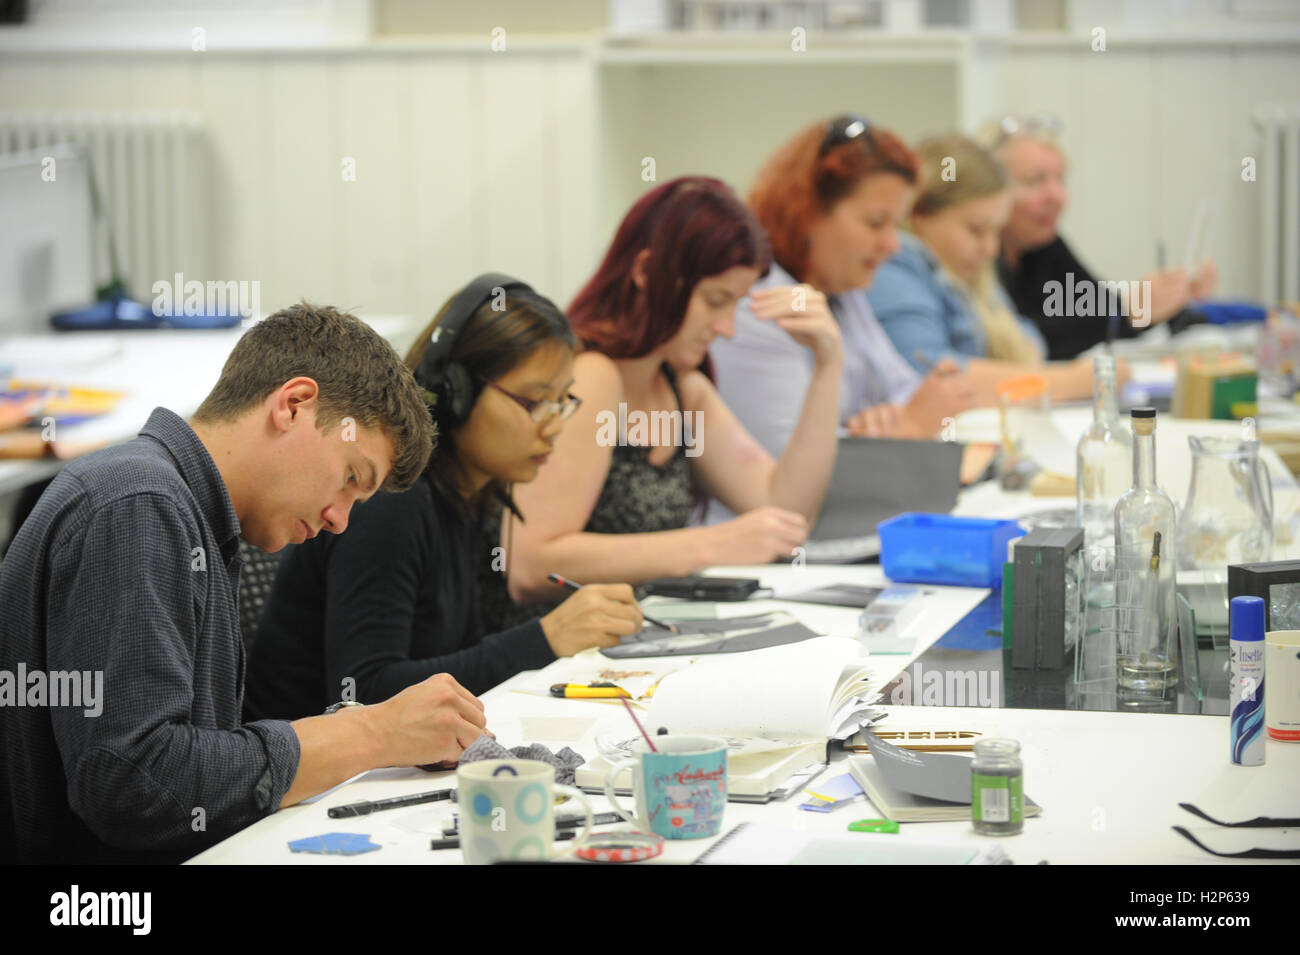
<point>1228,515</point>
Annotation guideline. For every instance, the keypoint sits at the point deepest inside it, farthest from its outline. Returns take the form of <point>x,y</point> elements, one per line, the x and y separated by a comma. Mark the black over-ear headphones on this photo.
<point>455,390</point>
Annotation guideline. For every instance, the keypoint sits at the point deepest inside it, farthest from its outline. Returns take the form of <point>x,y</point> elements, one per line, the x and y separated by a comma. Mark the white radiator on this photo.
<point>1278,173</point>
<point>149,170</point>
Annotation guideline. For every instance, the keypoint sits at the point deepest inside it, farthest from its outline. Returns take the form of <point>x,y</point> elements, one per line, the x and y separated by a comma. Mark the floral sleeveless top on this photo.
<point>637,497</point>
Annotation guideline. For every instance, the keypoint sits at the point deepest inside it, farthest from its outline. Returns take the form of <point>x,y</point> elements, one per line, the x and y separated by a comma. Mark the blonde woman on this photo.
<point>939,298</point>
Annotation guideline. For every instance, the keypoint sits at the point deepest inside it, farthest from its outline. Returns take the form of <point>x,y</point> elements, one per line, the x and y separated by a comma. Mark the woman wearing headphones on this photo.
<point>363,614</point>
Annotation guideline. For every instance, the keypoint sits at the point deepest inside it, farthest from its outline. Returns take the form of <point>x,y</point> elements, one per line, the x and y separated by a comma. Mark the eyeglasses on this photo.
<point>845,129</point>
<point>540,411</point>
<point>1009,126</point>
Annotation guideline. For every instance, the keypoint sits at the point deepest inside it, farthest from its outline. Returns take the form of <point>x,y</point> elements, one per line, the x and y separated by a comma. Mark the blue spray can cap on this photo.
<point>1246,618</point>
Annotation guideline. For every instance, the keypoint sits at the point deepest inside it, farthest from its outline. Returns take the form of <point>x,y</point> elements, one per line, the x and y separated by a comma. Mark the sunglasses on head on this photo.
<point>845,129</point>
<point>1009,126</point>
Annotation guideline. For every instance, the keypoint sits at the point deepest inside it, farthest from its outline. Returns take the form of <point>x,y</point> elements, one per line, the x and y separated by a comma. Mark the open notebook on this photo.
<point>758,771</point>
<point>816,689</point>
<point>787,701</point>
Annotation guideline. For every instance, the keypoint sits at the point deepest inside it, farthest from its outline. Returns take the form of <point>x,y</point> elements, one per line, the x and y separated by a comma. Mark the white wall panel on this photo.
<point>524,160</point>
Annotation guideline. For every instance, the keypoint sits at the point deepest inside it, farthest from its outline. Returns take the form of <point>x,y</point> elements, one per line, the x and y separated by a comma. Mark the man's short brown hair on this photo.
<point>358,373</point>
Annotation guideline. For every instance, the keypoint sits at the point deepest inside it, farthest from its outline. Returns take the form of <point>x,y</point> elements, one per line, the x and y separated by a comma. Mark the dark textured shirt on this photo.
<point>388,603</point>
<point>128,567</point>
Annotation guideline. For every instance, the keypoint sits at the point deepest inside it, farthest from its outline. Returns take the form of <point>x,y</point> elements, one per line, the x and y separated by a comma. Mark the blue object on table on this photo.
<point>842,789</point>
<point>119,313</point>
<point>113,314</point>
<point>1229,313</point>
<point>941,549</point>
<point>336,843</point>
<point>980,630</point>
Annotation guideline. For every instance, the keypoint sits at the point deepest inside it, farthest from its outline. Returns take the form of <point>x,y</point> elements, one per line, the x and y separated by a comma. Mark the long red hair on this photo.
<point>797,186</point>
<point>694,227</point>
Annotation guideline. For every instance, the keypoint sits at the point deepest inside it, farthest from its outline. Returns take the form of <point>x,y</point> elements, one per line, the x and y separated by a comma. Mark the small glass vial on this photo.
<point>997,791</point>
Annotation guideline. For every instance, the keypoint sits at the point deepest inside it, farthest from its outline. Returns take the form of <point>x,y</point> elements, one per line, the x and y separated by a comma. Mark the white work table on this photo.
<point>151,367</point>
<point>1109,783</point>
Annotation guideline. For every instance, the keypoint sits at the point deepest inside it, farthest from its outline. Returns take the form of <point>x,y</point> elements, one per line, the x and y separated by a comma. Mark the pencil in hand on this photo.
<point>573,585</point>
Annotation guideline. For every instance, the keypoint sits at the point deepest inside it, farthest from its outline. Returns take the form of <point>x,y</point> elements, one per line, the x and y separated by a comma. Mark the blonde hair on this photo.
<point>1007,340</point>
<point>956,169</point>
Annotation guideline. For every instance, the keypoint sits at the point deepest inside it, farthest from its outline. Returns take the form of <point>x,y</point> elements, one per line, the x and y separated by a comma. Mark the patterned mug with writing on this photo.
<point>680,790</point>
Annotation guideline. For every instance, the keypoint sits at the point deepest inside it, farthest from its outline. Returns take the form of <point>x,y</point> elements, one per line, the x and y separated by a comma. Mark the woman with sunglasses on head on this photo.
<point>366,613</point>
<point>614,501</point>
<point>831,199</point>
<point>1034,255</point>
<point>939,298</point>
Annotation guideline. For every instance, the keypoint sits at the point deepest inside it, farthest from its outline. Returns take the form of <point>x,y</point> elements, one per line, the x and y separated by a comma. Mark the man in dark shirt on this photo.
<point>121,662</point>
<point>1041,274</point>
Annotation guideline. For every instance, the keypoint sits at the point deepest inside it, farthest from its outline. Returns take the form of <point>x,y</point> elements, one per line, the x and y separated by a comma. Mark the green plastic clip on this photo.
<point>873,825</point>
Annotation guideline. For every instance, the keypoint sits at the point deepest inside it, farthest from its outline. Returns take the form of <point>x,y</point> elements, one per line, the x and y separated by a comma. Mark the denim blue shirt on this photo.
<point>926,315</point>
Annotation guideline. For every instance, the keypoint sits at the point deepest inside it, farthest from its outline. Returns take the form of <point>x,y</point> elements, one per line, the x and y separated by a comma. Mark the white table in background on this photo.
<point>174,368</point>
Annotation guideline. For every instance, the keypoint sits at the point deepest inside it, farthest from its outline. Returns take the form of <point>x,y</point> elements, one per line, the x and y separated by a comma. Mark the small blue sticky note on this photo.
<point>842,789</point>
<point>335,843</point>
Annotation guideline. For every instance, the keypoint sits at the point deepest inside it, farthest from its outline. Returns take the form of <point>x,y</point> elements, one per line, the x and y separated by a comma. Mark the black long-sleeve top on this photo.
<point>387,603</point>
<point>1067,335</point>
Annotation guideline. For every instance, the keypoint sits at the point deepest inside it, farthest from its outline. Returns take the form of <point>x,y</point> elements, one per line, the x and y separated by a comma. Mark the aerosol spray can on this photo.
<point>1246,680</point>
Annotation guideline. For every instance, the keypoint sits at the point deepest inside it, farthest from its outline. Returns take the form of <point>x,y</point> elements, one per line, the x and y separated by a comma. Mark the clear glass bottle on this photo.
<point>1104,459</point>
<point>1146,562</point>
<point>997,788</point>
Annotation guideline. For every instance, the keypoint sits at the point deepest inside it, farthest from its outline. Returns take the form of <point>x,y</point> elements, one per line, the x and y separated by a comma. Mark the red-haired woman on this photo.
<point>830,200</point>
<point>652,436</point>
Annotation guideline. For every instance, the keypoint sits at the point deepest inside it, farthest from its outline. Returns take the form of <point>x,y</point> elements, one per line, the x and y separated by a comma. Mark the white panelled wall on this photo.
<point>463,162</point>
<point>523,161</point>
<point>1150,128</point>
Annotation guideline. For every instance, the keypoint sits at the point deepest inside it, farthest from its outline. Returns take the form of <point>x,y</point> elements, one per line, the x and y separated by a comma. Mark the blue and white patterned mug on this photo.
<point>680,791</point>
<point>507,811</point>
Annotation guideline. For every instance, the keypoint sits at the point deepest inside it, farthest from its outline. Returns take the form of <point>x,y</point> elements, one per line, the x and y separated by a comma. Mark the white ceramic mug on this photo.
<point>507,811</point>
<point>680,790</point>
<point>1282,684</point>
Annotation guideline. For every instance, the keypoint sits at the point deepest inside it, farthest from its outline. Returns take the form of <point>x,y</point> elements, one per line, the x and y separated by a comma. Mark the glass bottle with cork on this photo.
<point>1146,619</point>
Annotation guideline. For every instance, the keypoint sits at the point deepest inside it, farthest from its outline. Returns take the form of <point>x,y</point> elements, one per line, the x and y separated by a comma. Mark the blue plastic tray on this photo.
<point>941,549</point>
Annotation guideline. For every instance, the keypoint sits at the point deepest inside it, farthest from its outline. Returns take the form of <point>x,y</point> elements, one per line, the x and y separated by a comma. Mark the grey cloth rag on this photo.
<point>565,761</point>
